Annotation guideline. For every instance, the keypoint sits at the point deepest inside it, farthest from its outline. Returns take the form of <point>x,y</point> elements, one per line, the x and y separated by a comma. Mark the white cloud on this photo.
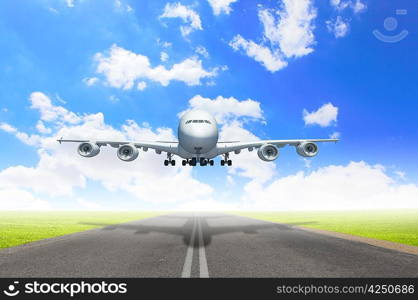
<point>292,30</point>
<point>31,140</point>
<point>246,164</point>
<point>163,44</point>
<point>163,56</point>
<point>60,171</point>
<point>357,6</point>
<point>202,51</point>
<point>89,81</point>
<point>142,85</point>
<point>226,109</point>
<point>70,3</point>
<point>50,112</point>
<point>356,185</point>
<point>120,6</point>
<point>324,116</point>
<point>40,126</point>
<point>122,68</point>
<point>188,16</point>
<point>272,61</point>
<point>17,199</point>
<point>338,27</point>
<point>113,98</point>
<point>221,6</point>
<point>288,33</point>
<point>88,205</point>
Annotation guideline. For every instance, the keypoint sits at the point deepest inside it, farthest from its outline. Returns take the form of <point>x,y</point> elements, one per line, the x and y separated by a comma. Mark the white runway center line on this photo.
<point>203,266</point>
<point>187,267</point>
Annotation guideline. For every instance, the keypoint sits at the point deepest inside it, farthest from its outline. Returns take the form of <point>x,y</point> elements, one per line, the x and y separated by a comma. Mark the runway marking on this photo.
<point>188,262</point>
<point>203,264</point>
<point>187,267</point>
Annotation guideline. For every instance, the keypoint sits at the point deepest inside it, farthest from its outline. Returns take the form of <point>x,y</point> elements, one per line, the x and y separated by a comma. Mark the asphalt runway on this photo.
<point>203,245</point>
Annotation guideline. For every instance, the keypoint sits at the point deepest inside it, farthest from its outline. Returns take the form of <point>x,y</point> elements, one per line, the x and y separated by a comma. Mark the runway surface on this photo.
<point>203,245</point>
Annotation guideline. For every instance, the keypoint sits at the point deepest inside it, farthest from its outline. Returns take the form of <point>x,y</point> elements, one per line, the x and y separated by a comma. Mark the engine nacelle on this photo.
<point>127,152</point>
<point>268,152</point>
<point>88,149</point>
<point>307,149</point>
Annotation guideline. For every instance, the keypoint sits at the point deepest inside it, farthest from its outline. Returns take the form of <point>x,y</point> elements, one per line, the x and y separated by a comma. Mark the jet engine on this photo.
<point>127,152</point>
<point>268,152</point>
<point>88,149</point>
<point>307,149</point>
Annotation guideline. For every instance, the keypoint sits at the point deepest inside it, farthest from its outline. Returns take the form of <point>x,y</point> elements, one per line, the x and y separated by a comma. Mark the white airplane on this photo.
<point>198,143</point>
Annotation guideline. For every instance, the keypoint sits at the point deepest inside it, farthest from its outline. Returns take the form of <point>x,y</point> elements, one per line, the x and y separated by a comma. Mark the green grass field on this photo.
<point>18,228</point>
<point>392,225</point>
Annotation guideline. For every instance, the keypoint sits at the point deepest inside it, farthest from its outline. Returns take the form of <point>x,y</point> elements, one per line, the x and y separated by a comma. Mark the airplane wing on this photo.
<point>158,146</point>
<point>225,147</point>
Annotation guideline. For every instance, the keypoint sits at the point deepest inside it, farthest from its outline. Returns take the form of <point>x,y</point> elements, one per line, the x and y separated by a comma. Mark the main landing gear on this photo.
<point>169,160</point>
<point>226,160</point>
<point>193,162</point>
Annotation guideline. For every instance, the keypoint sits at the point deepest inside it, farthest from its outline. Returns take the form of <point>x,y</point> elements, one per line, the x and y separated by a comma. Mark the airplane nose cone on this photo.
<point>198,139</point>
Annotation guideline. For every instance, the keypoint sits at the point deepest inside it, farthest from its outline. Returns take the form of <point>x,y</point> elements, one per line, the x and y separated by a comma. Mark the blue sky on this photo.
<point>55,47</point>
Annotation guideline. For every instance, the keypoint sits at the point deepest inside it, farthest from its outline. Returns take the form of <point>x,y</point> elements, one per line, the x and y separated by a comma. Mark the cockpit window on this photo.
<point>198,121</point>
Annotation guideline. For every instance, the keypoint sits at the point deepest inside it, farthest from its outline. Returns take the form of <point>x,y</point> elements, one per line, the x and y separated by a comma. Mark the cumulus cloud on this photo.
<point>202,51</point>
<point>141,85</point>
<point>89,81</point>
<point>60,171</point>
<point>70,3</point>
<point>221,6</point>
<point>324,116</point>
<point>271,60</point>
<point>356,185</point>
<point>288,33</point>
<point>122,68</point>
<point>225,109</point>
<point>291,27</point>
<point>31,140</point>
<point>17,199</point>
<point>357,6</point>
<point>188,16</point>
<point>163,56</point>
<point>41,128</point>
<point>338,27</point>
<point>50,112</point>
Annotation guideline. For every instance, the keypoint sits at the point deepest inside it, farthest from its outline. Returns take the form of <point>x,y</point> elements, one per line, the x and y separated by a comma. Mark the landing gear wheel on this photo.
<point>173,162</point>
<point>222,162</point>
<point>229,162</point>
<point>184,162</point>
<point>211,162</point>
<point>165,162</point>
<point>193,162</point>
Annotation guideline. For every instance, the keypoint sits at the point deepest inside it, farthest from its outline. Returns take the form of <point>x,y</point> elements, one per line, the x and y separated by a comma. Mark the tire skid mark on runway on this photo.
<point>203,265</point>
<point>187,267</point>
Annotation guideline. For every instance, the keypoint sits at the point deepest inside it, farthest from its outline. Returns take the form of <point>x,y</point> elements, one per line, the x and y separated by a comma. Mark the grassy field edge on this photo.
<point>399,225</point>
<point>22,227</point>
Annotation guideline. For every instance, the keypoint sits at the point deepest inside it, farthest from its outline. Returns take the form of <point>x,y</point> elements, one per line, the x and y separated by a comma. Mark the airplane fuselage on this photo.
<point>198,134</point>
